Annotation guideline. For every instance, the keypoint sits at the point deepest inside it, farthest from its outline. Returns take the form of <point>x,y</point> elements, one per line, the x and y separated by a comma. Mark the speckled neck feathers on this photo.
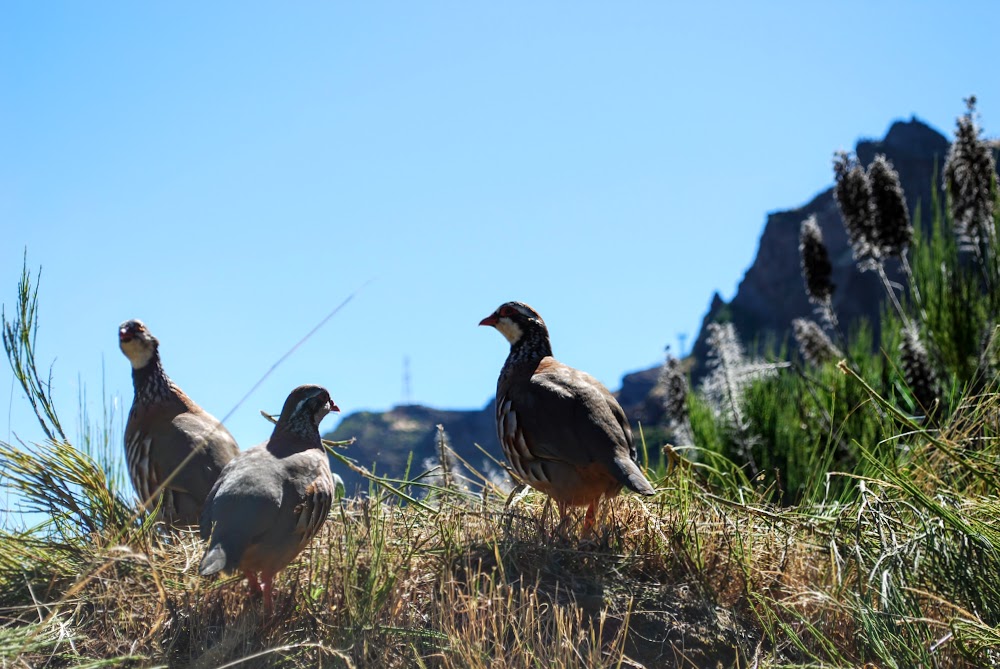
<point>527,351</point>
<point>152,385</point>
<point>294,434</point>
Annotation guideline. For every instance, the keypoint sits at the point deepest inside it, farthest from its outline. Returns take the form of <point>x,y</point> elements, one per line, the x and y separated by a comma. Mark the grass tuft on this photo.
<point>832,515</point>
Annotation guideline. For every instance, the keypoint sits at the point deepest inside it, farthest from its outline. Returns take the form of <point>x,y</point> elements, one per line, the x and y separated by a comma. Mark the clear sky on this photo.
<point>229,172</point>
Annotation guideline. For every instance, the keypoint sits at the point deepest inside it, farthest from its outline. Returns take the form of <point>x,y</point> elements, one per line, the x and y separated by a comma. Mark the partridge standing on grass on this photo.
<point>174,449</point>
<point>271,501</point>
<point>561,429</point>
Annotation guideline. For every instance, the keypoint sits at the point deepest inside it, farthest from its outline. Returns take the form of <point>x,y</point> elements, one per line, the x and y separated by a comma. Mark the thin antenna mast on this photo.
<point>407,395</point>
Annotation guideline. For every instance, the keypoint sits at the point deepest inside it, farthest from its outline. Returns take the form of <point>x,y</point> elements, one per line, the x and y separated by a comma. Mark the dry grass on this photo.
<point>391,586</point>
<point>900,570</point>
<point>691,579</point>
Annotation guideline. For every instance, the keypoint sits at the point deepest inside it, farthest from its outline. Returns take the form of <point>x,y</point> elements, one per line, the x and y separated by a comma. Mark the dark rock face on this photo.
<point>771,294</point>
<point>639,396</point>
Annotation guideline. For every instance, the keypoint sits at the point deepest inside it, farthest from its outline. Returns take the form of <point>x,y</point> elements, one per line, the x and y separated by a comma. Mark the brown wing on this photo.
<point>313,511</point>
<point>159,440</point>
<point>309,475</point>
<point>562,416</point>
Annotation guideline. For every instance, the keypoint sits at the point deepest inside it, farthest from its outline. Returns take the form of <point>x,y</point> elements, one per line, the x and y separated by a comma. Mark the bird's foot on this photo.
<point>267,587</point>
<point>252,582</point>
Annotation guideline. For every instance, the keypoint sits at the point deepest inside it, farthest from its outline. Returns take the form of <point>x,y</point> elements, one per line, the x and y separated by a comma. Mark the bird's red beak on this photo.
<point>490,320</point>
<point>123,335</point>
<point>333,407</point>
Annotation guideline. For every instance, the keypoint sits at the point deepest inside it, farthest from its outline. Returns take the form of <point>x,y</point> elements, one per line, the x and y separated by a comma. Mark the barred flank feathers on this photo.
<point>853,193</point>
<point>892,218</point>
<point>969,180</point>
<point>816,268</point>
<point>815,347</point>
<point>917,370</point>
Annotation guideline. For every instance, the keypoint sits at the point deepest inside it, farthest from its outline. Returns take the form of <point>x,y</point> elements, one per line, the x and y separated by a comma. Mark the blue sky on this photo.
<point>230,172</point>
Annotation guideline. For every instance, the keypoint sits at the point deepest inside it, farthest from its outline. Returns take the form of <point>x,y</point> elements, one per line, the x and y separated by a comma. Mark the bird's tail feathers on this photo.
<point>214,561</point>
<point>634,479</point>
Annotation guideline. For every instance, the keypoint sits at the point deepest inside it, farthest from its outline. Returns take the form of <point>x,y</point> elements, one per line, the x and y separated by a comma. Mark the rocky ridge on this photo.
<point>770,295</point>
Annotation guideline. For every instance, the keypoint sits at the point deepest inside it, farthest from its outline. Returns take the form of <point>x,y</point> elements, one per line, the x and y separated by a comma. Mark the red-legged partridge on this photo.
<point>174,449</point>
<point>271,501</point>
<point>563,432</point>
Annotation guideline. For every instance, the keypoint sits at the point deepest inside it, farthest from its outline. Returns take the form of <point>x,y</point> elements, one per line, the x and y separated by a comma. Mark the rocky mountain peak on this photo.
<point>770,295</point>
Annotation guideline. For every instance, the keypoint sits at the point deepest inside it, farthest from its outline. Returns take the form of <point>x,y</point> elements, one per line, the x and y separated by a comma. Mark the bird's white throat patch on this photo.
<point>320,413</point>
<point>511,331</point>
<point>138,352</point>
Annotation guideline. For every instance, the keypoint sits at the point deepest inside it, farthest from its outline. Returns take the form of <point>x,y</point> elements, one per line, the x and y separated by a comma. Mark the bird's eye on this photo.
<point>506,311</point>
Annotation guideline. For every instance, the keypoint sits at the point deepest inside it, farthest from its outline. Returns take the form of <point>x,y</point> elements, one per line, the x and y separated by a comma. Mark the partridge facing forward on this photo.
<point>172,445</point>
<point>271,501</point>
<point>563,432</point>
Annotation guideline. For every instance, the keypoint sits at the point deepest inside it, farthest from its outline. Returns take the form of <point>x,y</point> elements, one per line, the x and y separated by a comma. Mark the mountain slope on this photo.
<point>770,295</point>
<point>772,292</point>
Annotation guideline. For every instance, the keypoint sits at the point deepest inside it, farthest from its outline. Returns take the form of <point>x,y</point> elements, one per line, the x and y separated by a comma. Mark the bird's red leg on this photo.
<point>252,581</point>
<point>591,517</point>
<point>267,585</point>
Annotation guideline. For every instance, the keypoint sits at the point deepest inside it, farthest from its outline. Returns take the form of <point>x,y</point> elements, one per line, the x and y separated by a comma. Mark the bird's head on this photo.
<point>137,343</point>
<point>514,320</point>
<point>307,405</point>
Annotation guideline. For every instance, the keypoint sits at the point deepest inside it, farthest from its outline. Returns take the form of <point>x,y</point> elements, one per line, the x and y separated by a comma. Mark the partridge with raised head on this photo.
<point>271,501</point>
<point>174,449</point>
<point>563,432</point>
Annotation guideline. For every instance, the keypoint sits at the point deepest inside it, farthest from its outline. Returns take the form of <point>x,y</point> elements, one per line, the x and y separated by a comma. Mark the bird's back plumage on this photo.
<point>270,501</point>
<point>256,512</point>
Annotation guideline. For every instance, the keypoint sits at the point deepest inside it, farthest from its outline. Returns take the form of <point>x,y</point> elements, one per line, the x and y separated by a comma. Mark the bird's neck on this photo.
<point>527,351</point>
<point>151,384</point>
<point>297,434</point>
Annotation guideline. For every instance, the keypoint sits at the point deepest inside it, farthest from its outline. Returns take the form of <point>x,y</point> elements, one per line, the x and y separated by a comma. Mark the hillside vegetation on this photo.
<point>832,506</point>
